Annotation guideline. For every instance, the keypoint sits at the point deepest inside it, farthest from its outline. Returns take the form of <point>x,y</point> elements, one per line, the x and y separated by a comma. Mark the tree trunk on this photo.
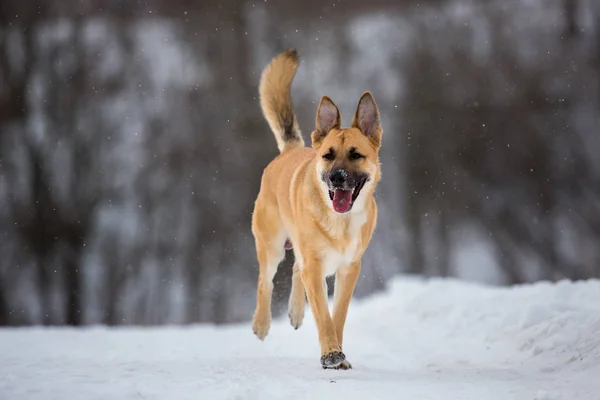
<point>4,316</point>
<point>73,289</point>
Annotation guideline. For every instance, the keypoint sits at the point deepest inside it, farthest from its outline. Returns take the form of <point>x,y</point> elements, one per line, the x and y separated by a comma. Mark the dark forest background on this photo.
<point>132,144</point>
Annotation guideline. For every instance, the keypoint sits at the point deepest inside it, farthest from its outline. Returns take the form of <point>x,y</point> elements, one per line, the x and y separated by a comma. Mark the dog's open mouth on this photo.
<point>342,200</point>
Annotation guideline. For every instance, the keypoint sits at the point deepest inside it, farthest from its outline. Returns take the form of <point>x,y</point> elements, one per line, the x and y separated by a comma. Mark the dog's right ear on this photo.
<point>328,118</point>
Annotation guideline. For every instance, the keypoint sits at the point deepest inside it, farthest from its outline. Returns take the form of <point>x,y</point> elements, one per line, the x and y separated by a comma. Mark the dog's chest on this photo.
<point>334,259</point>
<point>349,245</point>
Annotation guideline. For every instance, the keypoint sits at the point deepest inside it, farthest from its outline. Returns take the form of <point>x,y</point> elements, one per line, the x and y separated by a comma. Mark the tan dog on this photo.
<point>321,200</point>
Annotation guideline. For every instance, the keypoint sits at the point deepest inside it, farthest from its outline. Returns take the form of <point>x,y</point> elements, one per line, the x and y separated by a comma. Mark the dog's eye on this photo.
<point>329,156</point>
<point>356,156</point>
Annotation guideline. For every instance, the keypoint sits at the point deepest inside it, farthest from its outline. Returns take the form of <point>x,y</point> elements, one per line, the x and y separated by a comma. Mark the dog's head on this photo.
<point>348,158</point>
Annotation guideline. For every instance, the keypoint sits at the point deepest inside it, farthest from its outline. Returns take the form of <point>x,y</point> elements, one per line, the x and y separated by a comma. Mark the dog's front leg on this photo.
<point>345,282</point>
<point>312,277</point>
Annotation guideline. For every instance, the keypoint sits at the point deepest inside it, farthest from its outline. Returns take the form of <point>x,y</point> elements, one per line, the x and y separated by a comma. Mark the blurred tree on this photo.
<point>132,145</point>
<point>492,149</point>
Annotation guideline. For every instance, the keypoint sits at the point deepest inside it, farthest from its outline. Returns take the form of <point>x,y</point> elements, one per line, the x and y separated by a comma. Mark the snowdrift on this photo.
<point>421,339</point>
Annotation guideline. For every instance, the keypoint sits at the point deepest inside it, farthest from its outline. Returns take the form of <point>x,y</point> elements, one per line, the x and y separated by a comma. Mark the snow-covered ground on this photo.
<point>437,339</point>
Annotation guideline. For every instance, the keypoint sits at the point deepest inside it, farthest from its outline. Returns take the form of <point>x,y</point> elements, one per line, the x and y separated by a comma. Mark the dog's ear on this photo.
<point>328,118</point>
<point>366,118</point>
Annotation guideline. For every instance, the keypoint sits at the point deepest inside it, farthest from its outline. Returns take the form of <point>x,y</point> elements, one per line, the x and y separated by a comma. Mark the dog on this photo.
<point>317,200</point>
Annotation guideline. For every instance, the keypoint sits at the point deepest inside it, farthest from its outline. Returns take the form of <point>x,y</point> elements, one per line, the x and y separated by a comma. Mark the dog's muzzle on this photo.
<point>344,188</point>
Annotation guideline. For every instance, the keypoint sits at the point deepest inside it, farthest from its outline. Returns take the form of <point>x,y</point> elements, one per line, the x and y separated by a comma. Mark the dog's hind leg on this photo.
<point>270,252</point>
<point>297,298</point>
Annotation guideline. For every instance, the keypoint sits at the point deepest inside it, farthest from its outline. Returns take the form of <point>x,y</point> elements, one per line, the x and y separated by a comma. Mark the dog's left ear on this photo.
<point>366,118</point>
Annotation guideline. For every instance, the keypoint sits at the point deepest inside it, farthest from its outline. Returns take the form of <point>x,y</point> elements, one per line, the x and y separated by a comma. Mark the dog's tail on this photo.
<point>276,100</point>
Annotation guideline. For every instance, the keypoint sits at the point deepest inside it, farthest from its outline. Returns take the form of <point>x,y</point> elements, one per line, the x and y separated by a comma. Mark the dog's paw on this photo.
<point>261,326</point>
<point>296,317</point>
<point>332,359</point>
<point>344,365</point>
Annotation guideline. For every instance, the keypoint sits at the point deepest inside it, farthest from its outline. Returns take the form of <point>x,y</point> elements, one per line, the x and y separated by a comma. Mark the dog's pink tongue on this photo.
<point>342,200</point>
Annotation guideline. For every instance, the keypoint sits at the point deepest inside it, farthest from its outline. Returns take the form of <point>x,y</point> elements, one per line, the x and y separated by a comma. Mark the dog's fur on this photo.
<point>295,206</point>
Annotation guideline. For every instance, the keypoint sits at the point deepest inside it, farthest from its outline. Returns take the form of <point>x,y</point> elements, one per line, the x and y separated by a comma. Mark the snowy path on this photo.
<point>436,340</point>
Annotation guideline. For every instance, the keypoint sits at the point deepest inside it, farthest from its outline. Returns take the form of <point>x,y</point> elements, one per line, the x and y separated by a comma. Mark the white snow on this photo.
<point>436,339</point>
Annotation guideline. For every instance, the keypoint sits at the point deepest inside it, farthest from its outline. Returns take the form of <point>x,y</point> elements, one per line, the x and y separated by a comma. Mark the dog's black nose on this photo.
<point>338,178</point>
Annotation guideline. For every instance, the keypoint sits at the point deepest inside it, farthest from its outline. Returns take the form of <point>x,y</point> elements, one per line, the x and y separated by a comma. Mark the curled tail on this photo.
<point>276,100</point>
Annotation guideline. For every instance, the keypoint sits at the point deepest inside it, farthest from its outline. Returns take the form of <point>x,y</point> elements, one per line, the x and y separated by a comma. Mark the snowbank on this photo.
<point>436,339</point>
